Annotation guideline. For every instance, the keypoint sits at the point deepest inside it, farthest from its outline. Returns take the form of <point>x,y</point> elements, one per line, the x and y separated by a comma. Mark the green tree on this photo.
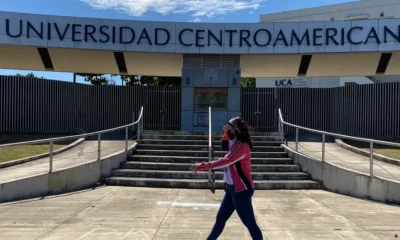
<point>167,81</point>
<point>95,79</point>
<point>30,75</point>
<point>248,83</point>
<point>131,80</point>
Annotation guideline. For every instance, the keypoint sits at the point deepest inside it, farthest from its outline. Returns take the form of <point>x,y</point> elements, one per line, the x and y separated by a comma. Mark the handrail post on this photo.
<point>51,157</point>
<point>323,147</point>
<point>141,127</point>
<point>209,142</point>
<point>297,139</point>
<point>279,126</point>
<point>371,159</point>
<point>138,130</point>
<point>126,140</point>
<point>99,146</point>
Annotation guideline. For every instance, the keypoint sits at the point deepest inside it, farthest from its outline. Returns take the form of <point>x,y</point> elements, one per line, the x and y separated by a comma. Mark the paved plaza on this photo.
<point>109,213</point>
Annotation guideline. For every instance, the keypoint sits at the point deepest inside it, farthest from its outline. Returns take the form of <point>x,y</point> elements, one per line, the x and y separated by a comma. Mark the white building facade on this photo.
<point>358,10</point>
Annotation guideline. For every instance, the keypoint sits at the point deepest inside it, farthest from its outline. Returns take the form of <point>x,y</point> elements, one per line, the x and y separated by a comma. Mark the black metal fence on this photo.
<point>38,105</point>
<point>361,110</point>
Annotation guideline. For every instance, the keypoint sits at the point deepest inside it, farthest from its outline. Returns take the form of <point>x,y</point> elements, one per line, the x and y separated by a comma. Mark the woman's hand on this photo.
<point>225,129</point>
<point>194,168</point>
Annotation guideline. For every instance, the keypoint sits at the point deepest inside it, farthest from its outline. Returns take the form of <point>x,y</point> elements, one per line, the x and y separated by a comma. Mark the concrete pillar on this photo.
<point>196,120</point>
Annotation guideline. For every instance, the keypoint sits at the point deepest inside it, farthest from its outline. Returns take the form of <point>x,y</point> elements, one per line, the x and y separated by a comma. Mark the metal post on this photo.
<point>297,139</point>
<point>141,127</point>
<point>99,146</point>
<point>126,139</point>
<point>133,120</point>
<point>51,157</point>
<point>371,159</point>
<point>209,142</point>
<point>323,147</point>
<point>279,126</point>
<point>138,129</point>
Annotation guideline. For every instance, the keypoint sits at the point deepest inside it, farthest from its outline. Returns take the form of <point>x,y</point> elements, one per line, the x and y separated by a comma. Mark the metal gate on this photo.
<point>259,108</point>
<point>162,108</point>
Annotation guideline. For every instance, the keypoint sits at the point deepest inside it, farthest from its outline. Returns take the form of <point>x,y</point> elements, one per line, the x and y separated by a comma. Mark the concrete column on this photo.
<point>187,100</point>
<point>196,120</point>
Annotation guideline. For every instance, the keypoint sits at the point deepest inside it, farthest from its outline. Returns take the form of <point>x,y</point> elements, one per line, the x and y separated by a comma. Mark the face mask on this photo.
<point>230,134</point>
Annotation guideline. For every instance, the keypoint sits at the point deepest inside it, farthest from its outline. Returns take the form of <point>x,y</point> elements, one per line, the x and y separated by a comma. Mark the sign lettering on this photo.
<point>200,38</point>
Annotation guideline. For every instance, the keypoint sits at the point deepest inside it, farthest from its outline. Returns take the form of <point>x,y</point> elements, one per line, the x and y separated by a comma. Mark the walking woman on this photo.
<point>237,176</point>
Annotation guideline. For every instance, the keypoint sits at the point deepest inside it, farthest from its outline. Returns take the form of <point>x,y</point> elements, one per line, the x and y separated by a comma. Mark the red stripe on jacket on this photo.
<point>240,152</point>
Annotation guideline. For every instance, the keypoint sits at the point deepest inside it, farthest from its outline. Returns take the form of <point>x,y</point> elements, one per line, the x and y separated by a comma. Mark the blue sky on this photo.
<point>155,10</point>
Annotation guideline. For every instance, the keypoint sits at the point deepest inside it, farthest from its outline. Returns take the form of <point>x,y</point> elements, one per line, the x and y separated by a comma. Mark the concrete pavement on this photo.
<point>83,153</point>
<point>348,159</point>
<point>172,214</point>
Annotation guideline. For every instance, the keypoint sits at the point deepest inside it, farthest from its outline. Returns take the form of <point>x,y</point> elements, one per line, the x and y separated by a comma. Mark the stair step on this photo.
<point>176,137</point>
<point>155,132</point>
<point>202,133</point>
<point>184,159</point>
<point>203,137</point>
<point>257,138</point>
<point>204,175</point>
<point>199,142</point>
<point>204,153</point>
<point>203,184</point>
<point>204,147</point>
<point>186,167</point>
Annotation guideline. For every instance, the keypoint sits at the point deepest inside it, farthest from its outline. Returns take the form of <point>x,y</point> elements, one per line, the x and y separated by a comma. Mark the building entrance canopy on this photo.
<point>346,48</point>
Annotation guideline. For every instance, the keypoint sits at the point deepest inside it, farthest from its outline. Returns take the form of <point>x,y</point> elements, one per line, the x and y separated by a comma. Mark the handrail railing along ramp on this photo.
<point>371,142</point>
<point>99,134</point>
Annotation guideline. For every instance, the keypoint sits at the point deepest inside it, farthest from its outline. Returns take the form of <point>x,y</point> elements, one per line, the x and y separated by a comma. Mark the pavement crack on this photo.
<point>162,221</point>
<point>84,209</point>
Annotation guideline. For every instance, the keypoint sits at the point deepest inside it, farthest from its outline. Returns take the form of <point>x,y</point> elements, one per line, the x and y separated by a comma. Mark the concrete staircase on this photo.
<point>164,160</point>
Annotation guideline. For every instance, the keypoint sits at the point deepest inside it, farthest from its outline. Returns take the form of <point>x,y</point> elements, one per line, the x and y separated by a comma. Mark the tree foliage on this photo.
<point>134,80</point>
<point>248,83</point>
<point>95,79</point>
<point>30,75</point>
<point>131,80</point>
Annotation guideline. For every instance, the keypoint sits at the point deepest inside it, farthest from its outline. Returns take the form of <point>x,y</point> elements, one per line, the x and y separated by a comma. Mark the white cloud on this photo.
<point>196,8</point>
<point>196,20</point>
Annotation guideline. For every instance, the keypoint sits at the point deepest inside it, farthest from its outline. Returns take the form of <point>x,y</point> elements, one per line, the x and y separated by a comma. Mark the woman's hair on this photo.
<point>241,130</point>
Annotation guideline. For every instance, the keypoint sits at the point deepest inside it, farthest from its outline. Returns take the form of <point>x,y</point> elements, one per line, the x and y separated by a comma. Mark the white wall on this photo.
<point>314,82</point>
<point>366,9</point>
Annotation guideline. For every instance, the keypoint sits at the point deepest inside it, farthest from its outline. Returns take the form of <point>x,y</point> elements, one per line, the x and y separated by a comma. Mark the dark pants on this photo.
<point>241,202</point>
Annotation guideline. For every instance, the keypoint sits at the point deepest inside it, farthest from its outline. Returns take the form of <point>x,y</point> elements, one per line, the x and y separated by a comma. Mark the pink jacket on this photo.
<point>239,161</point>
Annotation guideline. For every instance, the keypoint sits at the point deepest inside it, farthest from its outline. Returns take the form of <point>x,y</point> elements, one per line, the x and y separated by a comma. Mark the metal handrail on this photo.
<point>324,134</point>
<point>210,149</point>
<point>139,122</point>
<point>209,142</point>
<point>74,136</point>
